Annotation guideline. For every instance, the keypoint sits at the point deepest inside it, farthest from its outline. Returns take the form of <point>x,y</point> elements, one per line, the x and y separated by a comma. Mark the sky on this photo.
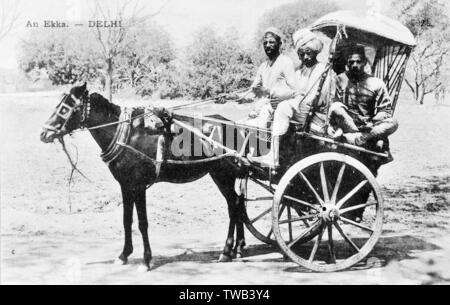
<point>179,17</point>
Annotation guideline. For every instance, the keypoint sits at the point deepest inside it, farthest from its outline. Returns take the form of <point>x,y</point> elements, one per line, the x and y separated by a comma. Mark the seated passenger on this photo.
<point>308,46</point>
<point>275,81</point>
<point>362,108</point>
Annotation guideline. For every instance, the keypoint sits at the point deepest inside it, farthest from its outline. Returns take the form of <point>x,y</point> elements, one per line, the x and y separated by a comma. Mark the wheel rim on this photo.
<point>257,215</point>
<point>330,190</point>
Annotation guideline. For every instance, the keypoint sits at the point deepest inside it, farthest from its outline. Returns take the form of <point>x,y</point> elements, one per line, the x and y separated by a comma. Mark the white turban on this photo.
<point>273,30</point>
<point>305,39</point>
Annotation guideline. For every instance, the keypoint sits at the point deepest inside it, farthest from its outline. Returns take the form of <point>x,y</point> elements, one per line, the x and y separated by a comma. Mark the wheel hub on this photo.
<point>330,213</point>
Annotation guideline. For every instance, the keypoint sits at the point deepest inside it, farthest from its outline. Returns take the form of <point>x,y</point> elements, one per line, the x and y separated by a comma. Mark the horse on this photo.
<point>138,164</point>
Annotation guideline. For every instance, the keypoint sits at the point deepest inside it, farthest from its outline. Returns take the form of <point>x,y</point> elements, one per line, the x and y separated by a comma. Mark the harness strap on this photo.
<point>122,135</point>
<point>160,154</point>
<point>120,143</point>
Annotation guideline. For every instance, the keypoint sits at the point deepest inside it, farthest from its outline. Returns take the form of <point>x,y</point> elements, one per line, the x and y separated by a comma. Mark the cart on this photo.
<point>324,207</point>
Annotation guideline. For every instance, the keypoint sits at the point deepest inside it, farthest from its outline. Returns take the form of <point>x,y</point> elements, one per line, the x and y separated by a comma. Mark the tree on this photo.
<point>9,13</point>
<point>429,22</point>
<point>67,55</point>
<point>293,16</point>
<point>129,14</point>
<point>217,64</point>
<point>148,52</point>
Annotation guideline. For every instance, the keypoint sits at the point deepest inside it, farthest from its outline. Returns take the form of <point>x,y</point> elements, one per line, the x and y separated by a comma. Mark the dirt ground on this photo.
<point>49,237</point>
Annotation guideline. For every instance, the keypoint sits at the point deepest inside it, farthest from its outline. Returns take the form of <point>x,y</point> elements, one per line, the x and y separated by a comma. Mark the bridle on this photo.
<point>65,112</point>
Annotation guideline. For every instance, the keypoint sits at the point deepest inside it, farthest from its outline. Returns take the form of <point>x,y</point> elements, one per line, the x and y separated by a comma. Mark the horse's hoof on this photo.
<point>120,262</point>
<point>225,258</point>
<point>239,255</point>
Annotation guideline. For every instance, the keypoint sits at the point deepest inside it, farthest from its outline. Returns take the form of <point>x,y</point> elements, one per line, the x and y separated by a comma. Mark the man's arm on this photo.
<point>251,94</point>
<point>338,94</point>
<point>383,104</point>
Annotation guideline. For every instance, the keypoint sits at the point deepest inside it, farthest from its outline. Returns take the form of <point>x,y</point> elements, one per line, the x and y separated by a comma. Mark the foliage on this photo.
<point>141,63</point>
<point>214,63</point>
<point>68,56</point>
<point>429,22</point>
<point>293,16</point>
<point>72,55</point>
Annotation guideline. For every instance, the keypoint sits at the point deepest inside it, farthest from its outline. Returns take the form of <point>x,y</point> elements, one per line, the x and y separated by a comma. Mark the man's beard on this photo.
<point>309,63</point>
<point>271,52</point>
<point>356,73</point>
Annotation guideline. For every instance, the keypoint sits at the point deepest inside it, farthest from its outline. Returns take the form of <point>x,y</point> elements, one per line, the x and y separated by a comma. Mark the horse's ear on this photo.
<point>84,87</point>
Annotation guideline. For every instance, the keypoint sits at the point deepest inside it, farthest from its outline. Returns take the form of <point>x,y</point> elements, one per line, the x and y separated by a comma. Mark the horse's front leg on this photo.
<point>128,203</point>
<point>141,208</point>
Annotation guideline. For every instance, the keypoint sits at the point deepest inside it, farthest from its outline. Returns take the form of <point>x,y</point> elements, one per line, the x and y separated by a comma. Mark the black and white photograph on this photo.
<point>228,143</point>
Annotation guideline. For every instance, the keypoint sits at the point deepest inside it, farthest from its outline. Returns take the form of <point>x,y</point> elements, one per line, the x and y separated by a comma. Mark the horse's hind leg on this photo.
<point>128,203</point>
<point>141,208</point>
<point>240,233</point>
<point>227,254</point>
<point>225,184</point>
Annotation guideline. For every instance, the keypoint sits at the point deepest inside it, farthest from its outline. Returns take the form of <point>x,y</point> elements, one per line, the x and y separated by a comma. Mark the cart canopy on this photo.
<point>372,29</point>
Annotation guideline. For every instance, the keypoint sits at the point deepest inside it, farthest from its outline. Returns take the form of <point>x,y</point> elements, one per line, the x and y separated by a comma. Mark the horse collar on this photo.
<point>121,137</point>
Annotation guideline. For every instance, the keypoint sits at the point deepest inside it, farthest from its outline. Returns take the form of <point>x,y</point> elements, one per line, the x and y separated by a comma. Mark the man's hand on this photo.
<point>253,114</point>
<point>366,128</point>
<point>245,100</point>
<point>261,91</point>
<point>380,116</point>
<point>224,98</point>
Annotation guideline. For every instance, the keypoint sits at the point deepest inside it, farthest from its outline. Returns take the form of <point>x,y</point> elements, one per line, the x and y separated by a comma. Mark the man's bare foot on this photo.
<point>352,138</point>
<point>338,134</point>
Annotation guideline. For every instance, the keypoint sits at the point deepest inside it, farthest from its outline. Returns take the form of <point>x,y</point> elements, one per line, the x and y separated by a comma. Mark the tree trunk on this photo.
<point>109,79</point>
<point>421,96</point>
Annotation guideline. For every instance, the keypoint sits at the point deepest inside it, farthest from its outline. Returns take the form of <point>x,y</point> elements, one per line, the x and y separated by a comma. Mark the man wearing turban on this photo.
<point>275,81</point>
<point>307,46</point>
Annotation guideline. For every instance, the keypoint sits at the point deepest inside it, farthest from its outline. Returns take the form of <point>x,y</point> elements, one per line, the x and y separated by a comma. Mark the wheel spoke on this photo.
<point>259,199</point>
<point>338,184</point>
<point>303,218</point>
<point>356,224</point>
<point>316,245</point>
<point>323,179</point>
<point>303,234</point>
<point>345,236</point>
<point>301,202</point>
<point>290,223</point>
<point>312,189</point>
<point>279,215</point>
<point>357,207</point>
<point>351,194</point>
<point>299,212</point>
<point>261,215</point>
<point>331,244</point>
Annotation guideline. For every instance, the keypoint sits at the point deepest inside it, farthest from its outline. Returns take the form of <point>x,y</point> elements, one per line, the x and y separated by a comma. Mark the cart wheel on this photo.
<point>258,216</point>
<point>341,208</point>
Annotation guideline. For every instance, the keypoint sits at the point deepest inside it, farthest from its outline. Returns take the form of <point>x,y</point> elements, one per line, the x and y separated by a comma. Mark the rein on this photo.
<point>123,132</point>
<point>184,106</point>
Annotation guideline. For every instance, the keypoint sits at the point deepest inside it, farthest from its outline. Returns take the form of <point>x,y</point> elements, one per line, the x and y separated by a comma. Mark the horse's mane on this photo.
<point>101,103</point>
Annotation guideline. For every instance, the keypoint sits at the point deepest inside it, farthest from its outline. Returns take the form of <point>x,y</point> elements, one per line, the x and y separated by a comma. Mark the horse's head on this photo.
<point>70,114</point>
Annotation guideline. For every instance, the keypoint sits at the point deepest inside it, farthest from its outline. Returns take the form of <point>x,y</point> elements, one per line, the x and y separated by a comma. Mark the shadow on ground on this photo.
<point>388,249</point>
